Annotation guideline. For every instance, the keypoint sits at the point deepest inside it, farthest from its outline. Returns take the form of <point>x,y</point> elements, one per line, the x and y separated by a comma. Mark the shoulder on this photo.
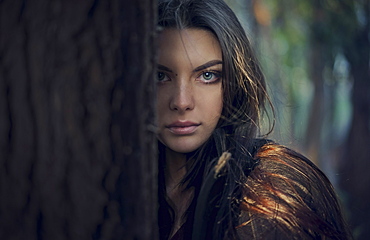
<point>286,196</point>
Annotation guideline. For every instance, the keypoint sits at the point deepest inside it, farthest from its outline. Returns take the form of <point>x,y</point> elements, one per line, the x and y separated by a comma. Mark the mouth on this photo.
<point>183,128</point>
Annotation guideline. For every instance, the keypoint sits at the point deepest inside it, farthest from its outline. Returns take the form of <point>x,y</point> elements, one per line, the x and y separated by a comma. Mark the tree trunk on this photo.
<point>316,68</point>
<point>77,146</point>
<point>356,163</point>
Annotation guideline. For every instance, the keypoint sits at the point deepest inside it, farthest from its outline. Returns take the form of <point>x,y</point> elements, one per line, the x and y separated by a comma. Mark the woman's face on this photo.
<point>189,88</point>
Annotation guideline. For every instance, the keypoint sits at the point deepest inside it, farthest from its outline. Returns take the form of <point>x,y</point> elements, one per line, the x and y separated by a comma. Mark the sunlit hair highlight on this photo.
<point>296,197</point>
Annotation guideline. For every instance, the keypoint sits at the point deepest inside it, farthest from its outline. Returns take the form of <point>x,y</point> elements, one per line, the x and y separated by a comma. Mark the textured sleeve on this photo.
<point>287,197</point>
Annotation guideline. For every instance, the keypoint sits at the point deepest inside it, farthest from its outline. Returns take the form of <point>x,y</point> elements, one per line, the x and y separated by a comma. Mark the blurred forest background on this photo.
<point>315,55</point>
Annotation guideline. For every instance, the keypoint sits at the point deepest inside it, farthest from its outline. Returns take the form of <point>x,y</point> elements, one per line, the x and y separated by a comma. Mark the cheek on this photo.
<point>213,107</point>
<point>161,99</point>
<point>219,102</point>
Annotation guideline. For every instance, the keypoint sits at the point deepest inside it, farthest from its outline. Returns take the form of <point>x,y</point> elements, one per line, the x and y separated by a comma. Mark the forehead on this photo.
<point>196,45</point>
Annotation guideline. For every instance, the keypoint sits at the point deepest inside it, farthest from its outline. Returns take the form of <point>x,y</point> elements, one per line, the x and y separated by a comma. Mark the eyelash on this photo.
<point>216,76</point>
<point>164,74</point>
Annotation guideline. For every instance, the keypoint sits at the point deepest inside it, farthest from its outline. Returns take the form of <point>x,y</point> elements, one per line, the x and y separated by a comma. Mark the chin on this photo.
<point>183,149</point>
<point>183,145</point>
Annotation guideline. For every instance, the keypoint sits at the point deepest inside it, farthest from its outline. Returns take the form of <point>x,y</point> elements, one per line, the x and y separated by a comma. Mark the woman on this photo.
<point>216,179</point>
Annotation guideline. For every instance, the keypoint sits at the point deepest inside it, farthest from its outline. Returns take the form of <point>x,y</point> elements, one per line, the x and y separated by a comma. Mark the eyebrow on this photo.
<point>164,68</point>
<point>197,69</point>
<point>207,65</point>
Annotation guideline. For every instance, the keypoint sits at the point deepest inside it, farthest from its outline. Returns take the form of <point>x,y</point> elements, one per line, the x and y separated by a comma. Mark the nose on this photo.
<point>183,97</point>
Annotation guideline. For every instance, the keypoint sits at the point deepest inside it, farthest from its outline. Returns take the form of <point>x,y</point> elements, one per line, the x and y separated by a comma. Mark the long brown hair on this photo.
<point>244,95</point>
<point>297,198</point>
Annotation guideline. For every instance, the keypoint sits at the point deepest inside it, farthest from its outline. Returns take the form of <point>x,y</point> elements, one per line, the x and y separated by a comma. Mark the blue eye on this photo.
<point>210,77</point>
<point>207,75</point>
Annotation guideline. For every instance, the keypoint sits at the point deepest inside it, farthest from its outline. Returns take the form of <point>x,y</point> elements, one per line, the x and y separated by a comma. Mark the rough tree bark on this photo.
<point>77,146</point>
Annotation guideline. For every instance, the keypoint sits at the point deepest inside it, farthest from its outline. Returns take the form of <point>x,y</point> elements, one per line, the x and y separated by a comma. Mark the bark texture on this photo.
<point>77,146</point>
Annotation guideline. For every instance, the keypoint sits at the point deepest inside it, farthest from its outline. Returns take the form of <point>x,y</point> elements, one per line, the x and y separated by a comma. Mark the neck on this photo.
<point>175,168</point>
<point>179,198</point>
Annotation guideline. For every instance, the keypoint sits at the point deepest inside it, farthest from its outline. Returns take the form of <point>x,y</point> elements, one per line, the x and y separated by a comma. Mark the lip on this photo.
<point>183,127</point>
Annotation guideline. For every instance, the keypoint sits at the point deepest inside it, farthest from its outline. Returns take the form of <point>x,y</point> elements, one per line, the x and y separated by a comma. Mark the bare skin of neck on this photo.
<point>179,199</point>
